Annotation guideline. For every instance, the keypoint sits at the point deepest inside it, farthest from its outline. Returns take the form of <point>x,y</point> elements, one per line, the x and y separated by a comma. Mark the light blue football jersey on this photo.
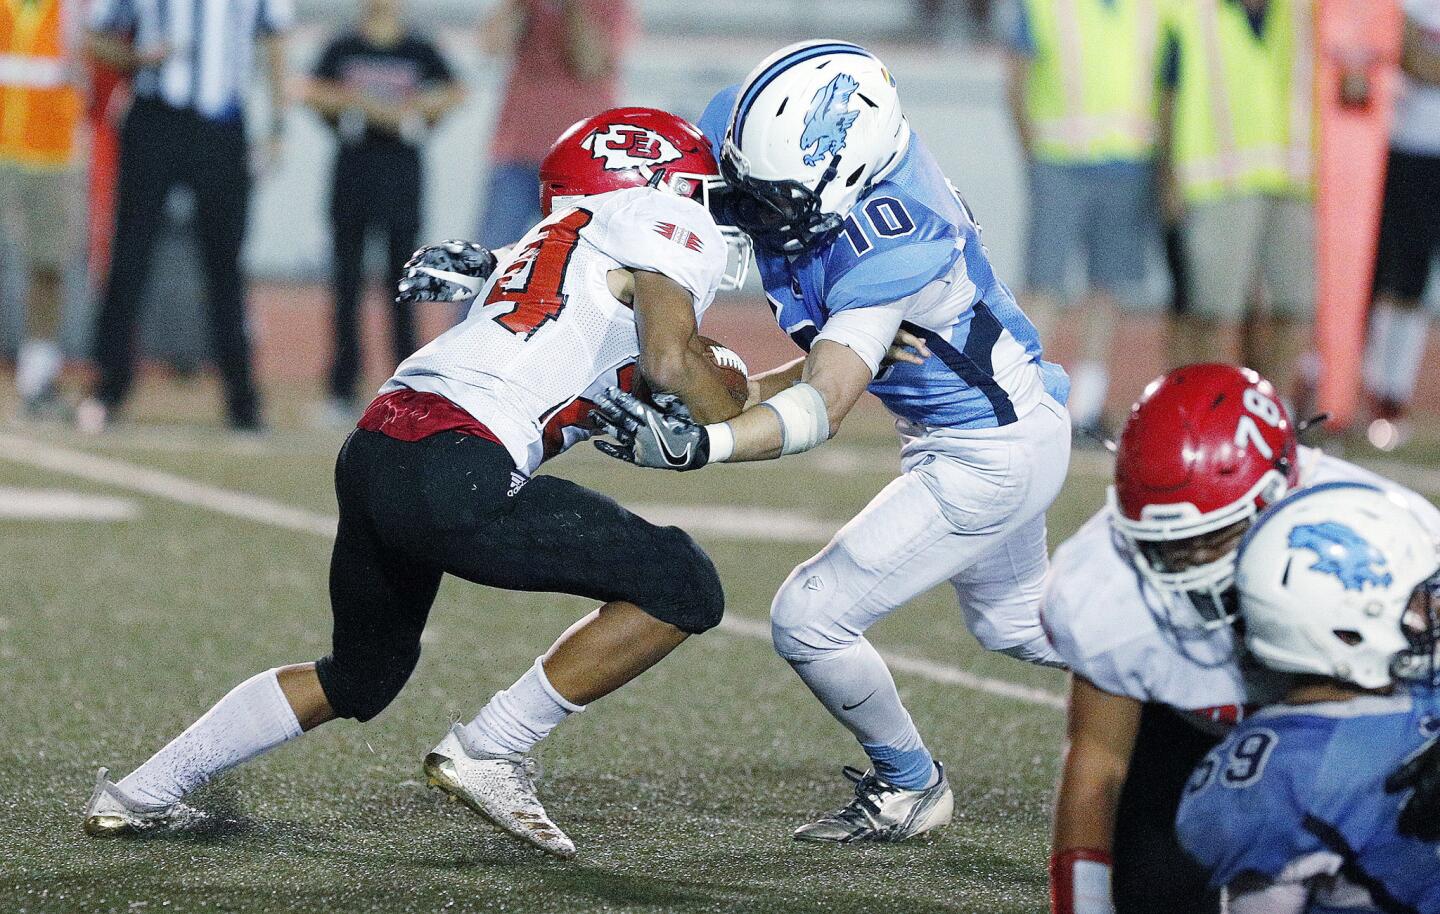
<point>909,231</point>
<point>1302,787</point>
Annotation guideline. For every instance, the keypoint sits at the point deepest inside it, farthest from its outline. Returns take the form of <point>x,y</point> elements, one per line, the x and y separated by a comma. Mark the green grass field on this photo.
<point>681,790</point>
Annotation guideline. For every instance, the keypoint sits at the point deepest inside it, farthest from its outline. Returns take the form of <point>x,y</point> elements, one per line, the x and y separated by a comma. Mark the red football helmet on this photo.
<point>636,147</point>
<point>1205,449</point>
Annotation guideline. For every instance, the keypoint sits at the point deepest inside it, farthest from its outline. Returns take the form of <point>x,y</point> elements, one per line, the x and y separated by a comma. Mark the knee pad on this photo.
<point>361,688</point>
<point>689,596</point>
<point>803,613</point>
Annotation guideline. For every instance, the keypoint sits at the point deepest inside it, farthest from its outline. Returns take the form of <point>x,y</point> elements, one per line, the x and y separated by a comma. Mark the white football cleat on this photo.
<point>883,812</point>
<point>110,813</point>
<point>500,789</point>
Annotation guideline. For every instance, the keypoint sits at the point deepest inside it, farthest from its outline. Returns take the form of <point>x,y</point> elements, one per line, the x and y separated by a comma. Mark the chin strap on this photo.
<point>1080,882</point>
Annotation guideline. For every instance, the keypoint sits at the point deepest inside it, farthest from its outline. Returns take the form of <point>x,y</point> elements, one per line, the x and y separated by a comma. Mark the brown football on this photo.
<point>732,369</point>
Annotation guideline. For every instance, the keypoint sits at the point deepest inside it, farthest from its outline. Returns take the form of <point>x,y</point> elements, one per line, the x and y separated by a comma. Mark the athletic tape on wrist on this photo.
<point>1080,882</point>
<point>722,441</point>
<point>804,419</point>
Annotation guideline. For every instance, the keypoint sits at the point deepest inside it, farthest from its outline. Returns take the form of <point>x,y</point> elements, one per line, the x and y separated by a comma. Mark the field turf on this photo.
<point>681,790</point>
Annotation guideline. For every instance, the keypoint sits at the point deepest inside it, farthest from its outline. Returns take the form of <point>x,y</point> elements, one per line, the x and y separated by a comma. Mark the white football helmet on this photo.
<point>1341,580</point>
<point>813,128</point>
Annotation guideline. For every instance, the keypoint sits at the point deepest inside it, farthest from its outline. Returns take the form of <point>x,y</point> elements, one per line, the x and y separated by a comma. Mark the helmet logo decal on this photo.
<point>1342,552</point>
<point>829,118</point>
<point>624,146</point>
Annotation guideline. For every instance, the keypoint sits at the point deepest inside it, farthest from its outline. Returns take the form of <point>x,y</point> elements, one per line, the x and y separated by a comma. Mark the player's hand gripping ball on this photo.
<point>450,271</point>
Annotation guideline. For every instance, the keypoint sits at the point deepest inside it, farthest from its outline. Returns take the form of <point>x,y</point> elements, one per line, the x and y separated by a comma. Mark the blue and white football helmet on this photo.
<point>813,128</point>
<point>1341,580</point>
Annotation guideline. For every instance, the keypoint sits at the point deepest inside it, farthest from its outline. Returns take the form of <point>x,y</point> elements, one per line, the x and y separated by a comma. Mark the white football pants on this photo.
<point>968,507</point>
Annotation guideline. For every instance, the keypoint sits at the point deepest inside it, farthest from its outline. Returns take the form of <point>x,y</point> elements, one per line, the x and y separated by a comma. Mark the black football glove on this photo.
<point>1420,816</point>
<point>663,437</point>
<point>450,271</point>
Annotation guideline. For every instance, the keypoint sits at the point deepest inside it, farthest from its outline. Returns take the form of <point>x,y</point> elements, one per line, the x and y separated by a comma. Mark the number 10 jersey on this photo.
<point>546,334</point>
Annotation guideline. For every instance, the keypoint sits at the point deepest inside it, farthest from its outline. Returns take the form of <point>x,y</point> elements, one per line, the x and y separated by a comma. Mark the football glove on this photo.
<point>1420,816</point>
<point>663,437</point>
<point>450,271</point>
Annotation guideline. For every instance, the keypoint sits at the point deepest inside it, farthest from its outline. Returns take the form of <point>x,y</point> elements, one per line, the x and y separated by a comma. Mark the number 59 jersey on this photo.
<point>1296,795</point>
<point>546,334</point>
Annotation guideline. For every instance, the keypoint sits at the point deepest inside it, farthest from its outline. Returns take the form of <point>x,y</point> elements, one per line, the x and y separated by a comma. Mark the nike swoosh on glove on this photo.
<point>450,271</point>
<point>647,436</point>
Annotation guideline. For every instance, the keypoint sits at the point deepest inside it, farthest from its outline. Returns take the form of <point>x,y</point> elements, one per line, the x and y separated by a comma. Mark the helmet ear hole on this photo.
<point>1348,636</point>
<point>855,176</point>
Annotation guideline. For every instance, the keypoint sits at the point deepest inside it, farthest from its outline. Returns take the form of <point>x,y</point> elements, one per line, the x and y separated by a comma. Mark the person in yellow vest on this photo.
<point>1239,127</point>
<point>1082,90</point>
<point>40,108</point>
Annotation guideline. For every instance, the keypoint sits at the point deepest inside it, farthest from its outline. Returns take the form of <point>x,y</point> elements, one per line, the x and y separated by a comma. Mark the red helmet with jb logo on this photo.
<point>638,147</point>
<point>1205,450</point>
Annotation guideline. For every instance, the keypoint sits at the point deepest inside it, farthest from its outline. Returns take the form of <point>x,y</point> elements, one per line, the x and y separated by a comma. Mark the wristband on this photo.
<point>722,441</point>
<point>1080,882</point>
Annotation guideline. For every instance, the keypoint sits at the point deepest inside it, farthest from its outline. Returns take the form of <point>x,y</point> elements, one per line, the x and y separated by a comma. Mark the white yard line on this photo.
<point>125,475</point>
<point>62,505</point>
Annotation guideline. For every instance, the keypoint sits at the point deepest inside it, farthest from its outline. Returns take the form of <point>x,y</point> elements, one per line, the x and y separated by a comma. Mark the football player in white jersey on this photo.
<point>436,480</point>
<point>1140,603</point>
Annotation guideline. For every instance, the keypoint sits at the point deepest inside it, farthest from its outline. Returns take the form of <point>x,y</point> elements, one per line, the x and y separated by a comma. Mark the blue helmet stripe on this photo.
<point>747,99</point>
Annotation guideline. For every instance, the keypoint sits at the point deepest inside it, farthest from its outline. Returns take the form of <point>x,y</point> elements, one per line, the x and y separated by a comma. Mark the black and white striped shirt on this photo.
<point>211,43</point>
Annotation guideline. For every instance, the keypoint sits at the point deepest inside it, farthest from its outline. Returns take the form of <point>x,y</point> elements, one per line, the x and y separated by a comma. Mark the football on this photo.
<point>732,369</point>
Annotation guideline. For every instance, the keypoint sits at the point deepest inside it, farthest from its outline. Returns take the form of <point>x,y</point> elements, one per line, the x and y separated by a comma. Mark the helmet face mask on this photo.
<point>783,217</point>
<point>1420,623</point>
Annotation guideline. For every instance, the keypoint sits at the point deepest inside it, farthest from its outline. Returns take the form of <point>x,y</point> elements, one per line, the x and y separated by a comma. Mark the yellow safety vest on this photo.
<point>1091,95</point>
<point>1244,105</point>
<point>39,106</point>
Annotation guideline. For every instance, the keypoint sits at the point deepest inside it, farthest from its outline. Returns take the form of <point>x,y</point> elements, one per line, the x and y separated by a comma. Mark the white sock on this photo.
<point>1377,349</point>
<point>1088,385</point>
<point>856,687</point>
<point>252,719</point>
<point>36,367</point>
<point>1407,349</point>
<point>519,717</point>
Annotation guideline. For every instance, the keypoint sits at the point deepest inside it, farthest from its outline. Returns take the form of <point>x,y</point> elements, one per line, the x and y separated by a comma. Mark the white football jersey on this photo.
<point>545,335</point>
<point>1099,622</point>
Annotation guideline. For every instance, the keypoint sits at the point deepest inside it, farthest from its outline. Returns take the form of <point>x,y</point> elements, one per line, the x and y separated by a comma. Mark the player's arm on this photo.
<point>672,357</point>
<point>1100,737</point>
<point>1417,59</point>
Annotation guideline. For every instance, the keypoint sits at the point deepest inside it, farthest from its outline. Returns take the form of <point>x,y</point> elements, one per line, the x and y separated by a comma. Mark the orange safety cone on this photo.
<point>1359,44</point>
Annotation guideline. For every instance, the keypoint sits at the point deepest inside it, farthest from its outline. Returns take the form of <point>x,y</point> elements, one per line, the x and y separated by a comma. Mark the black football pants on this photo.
<point>413,511</point>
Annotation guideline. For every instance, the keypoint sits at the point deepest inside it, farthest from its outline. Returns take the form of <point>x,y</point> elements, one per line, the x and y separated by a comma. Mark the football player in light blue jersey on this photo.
<point>862,243</point>
<point>1339,587</point>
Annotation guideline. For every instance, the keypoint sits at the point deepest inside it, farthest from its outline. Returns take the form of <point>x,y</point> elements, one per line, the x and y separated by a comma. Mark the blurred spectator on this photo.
<point>1083,79</point>
<point>1409,230</point>
<point>40,176</point>
<point>382,88</point>
<point>1238,122</point>
<point>565,66</point>
<point>191,66</point>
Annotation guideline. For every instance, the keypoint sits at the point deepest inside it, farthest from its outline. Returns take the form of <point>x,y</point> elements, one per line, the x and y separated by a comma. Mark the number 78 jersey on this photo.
<point>546,334</point>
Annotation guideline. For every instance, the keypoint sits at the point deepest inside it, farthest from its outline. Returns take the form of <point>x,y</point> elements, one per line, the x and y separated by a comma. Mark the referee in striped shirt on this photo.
<point>191,63</point>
